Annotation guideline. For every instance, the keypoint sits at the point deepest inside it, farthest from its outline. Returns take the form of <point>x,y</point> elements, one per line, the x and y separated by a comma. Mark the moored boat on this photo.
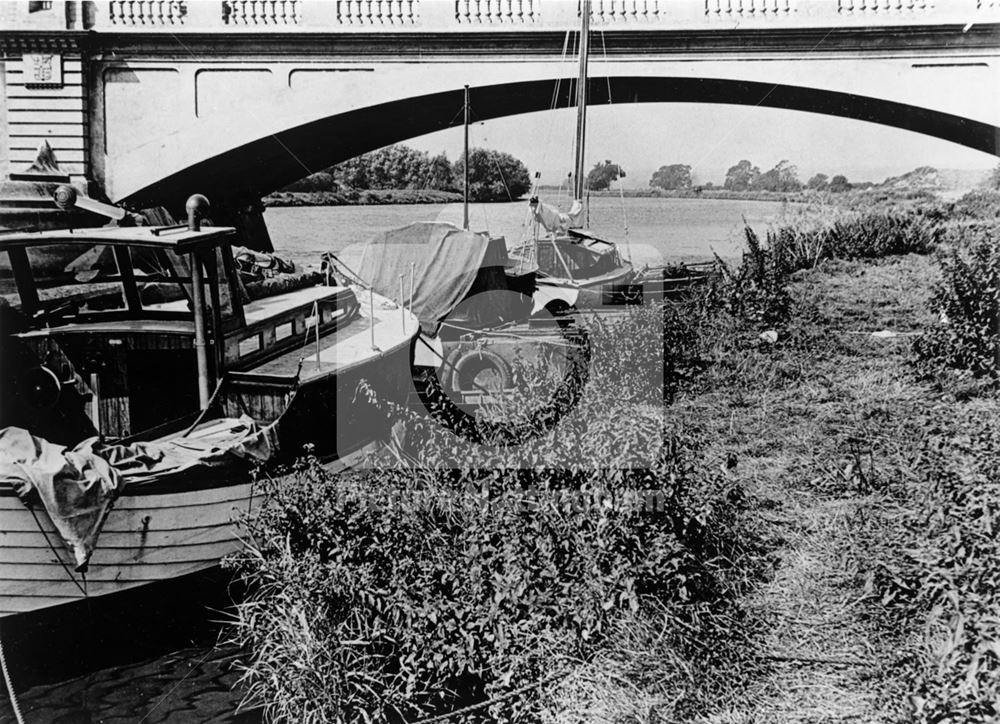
<point>147,379</point>
<point>576,268</point>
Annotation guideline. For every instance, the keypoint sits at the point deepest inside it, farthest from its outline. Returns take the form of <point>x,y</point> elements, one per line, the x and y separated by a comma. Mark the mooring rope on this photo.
<point>10,686</point>
<point>55,552</point>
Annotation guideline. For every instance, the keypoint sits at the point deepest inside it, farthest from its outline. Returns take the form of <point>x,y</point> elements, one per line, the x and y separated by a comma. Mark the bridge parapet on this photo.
<point>457,16</point>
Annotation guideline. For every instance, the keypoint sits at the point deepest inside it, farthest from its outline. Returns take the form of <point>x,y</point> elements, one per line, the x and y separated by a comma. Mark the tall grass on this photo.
<point>466,571</point>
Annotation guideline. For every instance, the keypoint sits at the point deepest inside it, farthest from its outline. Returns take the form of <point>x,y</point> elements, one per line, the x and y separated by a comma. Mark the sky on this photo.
<point>710,138</point>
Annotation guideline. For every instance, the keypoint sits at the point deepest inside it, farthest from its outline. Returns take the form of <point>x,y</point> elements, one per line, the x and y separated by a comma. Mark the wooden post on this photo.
<point>371,313</point>
<point>200,340</point>
<point>316,316</point>
<point>413,267</point>
<point>402,306</point>
<point>581,100</point>
<point>465,190</point>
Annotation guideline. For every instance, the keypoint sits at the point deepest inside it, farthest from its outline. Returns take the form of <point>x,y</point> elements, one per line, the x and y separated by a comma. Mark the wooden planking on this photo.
<point>121,520</point>
<point>128,539</point>
<point>15,78</point>
<point>187,501</point>
<point>34,564</point>
<point>58,143</point>
<point>185,532</point>
<point>68,117</point>
<point>64,157</point>
<point>66,91</point>
<point>32,595</point>
<point>52,579</point>
<point>69,130</point>
<point>47,103</point>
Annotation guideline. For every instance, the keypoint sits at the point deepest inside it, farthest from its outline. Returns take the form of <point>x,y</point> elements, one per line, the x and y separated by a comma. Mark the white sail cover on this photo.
<point>554,220</point>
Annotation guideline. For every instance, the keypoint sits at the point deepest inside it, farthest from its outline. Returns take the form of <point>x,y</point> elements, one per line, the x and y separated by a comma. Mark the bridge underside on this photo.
<point>259,167</point>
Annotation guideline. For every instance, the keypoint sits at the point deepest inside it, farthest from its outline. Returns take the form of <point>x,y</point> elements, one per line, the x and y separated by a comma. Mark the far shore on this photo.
<point>352,197</point>
<point>374,197</point>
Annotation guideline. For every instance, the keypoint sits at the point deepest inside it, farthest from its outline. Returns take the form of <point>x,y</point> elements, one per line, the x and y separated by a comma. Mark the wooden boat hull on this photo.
<point>148,536</point>
<point>185,522</point>
<point>595,292</point>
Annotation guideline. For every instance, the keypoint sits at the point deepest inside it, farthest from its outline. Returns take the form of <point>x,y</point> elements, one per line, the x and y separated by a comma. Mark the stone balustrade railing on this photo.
<point>471,15</point>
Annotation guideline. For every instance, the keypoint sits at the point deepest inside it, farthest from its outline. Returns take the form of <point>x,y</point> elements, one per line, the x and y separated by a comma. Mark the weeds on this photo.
<point>968,301</point>
<point>465,570</point>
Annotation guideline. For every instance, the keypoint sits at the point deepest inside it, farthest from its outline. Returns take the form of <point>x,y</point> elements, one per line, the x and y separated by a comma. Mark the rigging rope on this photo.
<point>10,686</point>
<point>52,548</point>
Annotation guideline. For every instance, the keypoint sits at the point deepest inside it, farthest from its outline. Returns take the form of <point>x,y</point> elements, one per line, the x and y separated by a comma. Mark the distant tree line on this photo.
<point>745,176</point>
<point>493,175</point>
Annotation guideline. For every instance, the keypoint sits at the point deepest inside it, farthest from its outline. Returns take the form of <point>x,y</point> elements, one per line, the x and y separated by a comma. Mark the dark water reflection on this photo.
<point>190,685</point>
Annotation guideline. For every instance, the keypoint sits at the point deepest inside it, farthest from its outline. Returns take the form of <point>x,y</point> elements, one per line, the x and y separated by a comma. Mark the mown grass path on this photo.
<point>817,426</point>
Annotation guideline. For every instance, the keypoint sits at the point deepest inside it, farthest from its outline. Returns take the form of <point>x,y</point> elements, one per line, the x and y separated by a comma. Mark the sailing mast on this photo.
<point>581,100</point>
<point>465,188</point>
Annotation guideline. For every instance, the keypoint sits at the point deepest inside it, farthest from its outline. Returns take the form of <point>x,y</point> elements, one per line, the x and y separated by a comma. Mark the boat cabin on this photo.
<point>576,255</point>
<point>116,330</point>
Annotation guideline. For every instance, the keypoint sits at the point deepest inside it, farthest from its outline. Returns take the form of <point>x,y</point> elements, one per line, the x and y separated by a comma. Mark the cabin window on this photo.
<point>249,345</point>
<point>284,331</point>
<point>75,279</point>
<point>164,281</point>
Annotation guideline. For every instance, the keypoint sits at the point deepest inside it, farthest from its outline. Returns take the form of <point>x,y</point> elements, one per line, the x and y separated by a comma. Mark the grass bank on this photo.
<point>825,550</point>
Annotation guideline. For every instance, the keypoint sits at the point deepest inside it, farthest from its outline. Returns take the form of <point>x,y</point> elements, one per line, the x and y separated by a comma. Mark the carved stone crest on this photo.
<point>42,70</point>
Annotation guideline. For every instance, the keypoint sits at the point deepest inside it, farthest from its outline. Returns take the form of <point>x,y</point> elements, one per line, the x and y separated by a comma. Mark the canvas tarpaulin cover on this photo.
<point>448,263</point>
<point>78,486</point>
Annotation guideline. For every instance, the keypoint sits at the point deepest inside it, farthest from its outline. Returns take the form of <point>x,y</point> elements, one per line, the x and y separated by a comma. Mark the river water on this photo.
<point>650,230</point>
<point>201,683</point>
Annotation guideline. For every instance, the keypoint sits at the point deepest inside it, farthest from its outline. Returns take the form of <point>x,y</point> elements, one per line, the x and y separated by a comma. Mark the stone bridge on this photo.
<point>146,101</point>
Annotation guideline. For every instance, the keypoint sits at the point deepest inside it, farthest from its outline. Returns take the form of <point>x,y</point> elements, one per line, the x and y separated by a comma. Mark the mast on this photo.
<point>581,100</point>
<point>465,188</point>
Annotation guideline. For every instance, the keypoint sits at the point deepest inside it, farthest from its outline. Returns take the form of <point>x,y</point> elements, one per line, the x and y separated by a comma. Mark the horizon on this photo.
<point>813,143</point>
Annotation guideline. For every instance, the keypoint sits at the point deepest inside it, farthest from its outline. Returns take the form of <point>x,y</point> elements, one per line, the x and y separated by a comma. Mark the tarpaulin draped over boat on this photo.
<point>78,487</point>
<point>449,264</point>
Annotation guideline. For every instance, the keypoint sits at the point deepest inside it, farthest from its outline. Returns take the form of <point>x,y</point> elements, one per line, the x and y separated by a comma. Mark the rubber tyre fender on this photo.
<point>461,362</point>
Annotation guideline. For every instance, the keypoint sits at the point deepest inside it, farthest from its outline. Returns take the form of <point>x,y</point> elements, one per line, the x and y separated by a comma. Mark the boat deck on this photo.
<point>266,308</point>
<point>349,346</point>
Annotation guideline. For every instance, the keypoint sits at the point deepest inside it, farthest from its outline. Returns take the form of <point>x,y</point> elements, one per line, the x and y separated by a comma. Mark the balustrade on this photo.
<point>261,12</point>
<point>744,9</point>
<point>617,11</point>
<point>494,12</point>
<point>478,15</point>
<point>147,12</point>
<point>875,7</point>
<point>376,12</point>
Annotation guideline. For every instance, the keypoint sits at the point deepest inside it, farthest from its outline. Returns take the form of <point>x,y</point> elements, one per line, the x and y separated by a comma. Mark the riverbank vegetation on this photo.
<point>399,174</point>
<point>813,538</point>
<point>402,175</point>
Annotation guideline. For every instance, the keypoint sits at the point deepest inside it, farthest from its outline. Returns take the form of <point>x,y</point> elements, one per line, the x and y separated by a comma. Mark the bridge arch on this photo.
<point>259,167</point>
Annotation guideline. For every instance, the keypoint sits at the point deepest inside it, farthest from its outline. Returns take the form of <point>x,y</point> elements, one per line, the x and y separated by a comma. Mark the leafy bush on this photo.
<point>968,299</point>
<point>466,571</point>
<point>978,204</point>
<point>412,593</point>
<point>869,234</point>
<point>956,576</point>
<point>756,291</point>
